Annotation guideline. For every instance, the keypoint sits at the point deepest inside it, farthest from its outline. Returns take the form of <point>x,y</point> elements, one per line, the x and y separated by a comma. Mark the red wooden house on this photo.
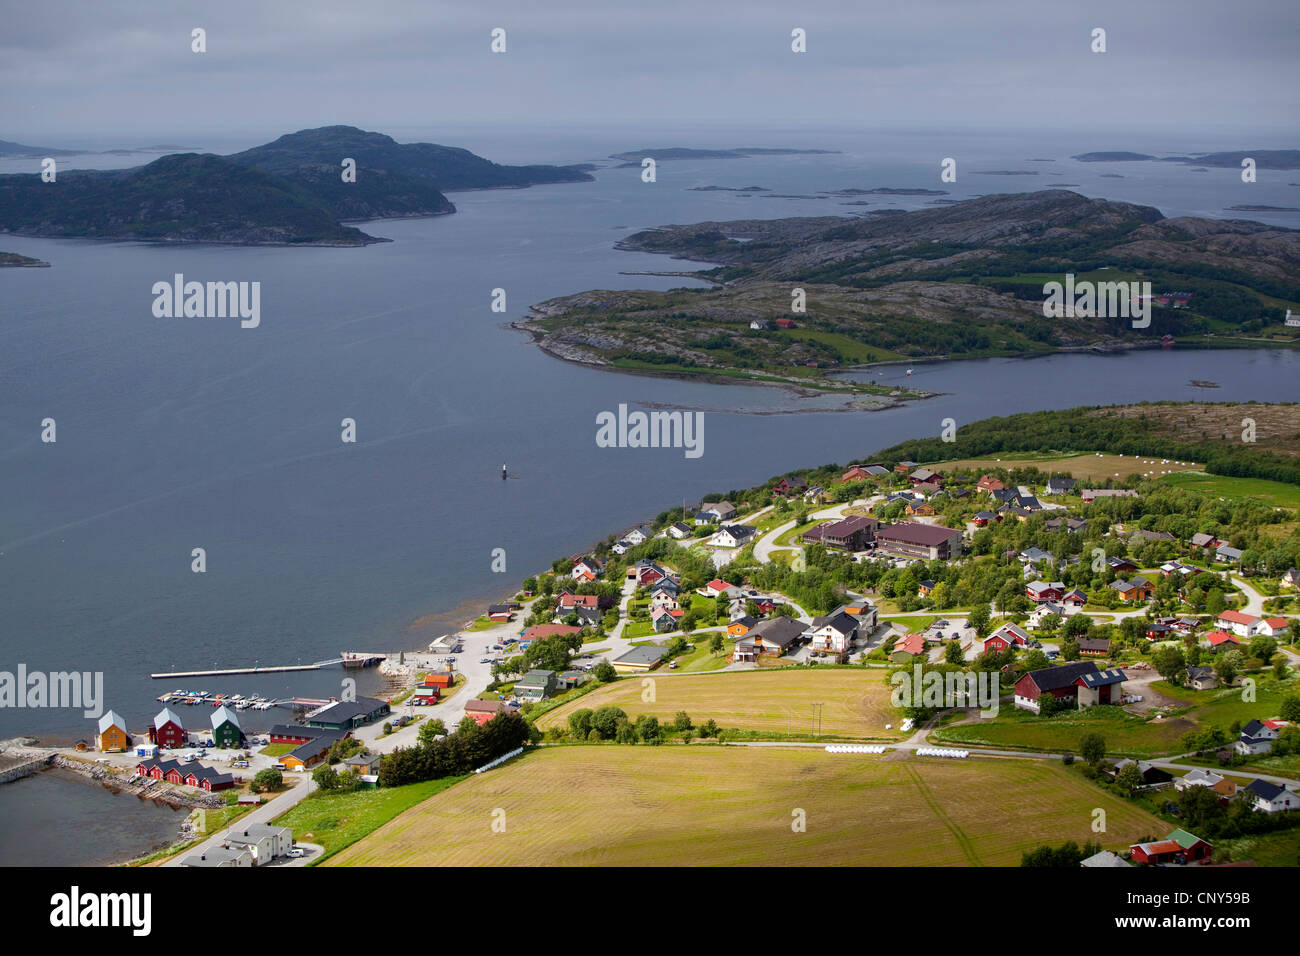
<point>1179,847</point>
<point>167,730</point>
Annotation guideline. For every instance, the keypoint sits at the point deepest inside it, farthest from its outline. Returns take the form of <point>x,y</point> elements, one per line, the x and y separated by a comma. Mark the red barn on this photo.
<point>1008,635</point>
<point>167,730</point>
<point>1080,681</point>
<point>1179,847</point>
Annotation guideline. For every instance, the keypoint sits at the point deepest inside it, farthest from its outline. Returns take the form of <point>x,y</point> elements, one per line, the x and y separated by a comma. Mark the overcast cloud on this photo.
<point>81,68</point>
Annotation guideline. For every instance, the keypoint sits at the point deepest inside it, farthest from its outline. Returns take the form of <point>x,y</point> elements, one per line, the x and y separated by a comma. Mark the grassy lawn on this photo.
<point>792,536</point>
<point>702,659</point>
<point>914,622</point>
<point>1125,734</point>
<point>1219,486</point>
<point>855,702</point>
<point>481,624</point>
<point>337,820</point>
<point>276,750</point>
<point>703,805</point>
<point>1219,708</point>
<point>636,630</point>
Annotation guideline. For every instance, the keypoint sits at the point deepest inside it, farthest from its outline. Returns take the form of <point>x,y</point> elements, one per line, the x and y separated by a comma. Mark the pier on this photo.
<point>223,672</point>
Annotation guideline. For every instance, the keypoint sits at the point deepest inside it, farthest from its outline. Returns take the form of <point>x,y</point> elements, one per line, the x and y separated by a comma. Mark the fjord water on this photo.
<point>175,434</point>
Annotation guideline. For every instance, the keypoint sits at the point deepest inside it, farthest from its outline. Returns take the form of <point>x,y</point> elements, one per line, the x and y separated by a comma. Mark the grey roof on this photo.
<point>111,719</point>
<point>345,710</point>
<point>222,715</point>
<point>538,677</point>
<point>778,631</point>
<point>1103,678</point>
<point>844,623</point>
<point>167,715</point>
<point>1262,788</point>
<point>215,856</point>
<point>642,654</point>
<point>1054,678</point>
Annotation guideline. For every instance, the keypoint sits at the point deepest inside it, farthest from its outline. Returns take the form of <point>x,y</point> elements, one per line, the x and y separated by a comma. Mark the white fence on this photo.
<point>500,760</point>
<point>941,752</point>
<point>855,749</point>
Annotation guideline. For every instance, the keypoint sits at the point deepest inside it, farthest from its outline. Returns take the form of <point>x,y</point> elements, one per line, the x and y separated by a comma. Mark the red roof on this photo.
<point>579,600</point>
<point>718,584</point>
<point>1275,621</point>
<point>1236,617</point>
<point>548,630</point>
<point>1218,637</point>
<point>913,644</point>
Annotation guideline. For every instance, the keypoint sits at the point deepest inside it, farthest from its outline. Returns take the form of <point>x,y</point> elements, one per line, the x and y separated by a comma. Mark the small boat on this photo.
<point>909,371</point>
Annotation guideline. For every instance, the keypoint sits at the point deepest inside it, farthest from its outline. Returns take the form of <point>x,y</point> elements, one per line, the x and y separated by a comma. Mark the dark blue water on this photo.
<point>182,433</point>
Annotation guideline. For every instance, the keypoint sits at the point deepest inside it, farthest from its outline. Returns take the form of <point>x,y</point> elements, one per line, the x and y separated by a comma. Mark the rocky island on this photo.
<point>288,192</point>
<point>962,280</point>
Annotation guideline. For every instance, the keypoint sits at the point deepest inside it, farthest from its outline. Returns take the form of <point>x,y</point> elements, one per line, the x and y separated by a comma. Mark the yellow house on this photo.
<point>112,733</point>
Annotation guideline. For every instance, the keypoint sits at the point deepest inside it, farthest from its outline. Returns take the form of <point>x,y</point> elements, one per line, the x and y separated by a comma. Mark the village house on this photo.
<point>772,637</point>
<point>1080,681</point>
<point>536,685</point>
<point>1257,736</point>
<point>1205,542</point>
<point>983,518</point>
<point>1270,797</point>
<point>1224,787</point>
<point>733,536</point>
<point>924,476</point>
<point>1006,636</point>
<point>1060,486</point>
<point>1040,591</point>
<point>586,569</point>
<point>907,647</point>
<point>832,634</point>
<point>989,484</point>
<point>903,467</point>
<point>1065,523</point>
<point>666,619</point>
<point>1121,565</point>
<point>1225,554</point>
<point>1201,677</point>
<point>1043,611</point>
<point>679,530</point>
<point>921,509</point>
<point>1272,626</point>
<point>741,626</point>
<point>1239,623</point>
<point>1094,647</point>
<point>638,535</point>
<point>264,841</point>
<point>662,597</point>
<point>721,511</point>
<point>1217,639</point>
<point>1291,579</point>
<point>1136,589</point>
<point>220,857</point>
<point>789,485</point>
<point>481,711</point>
<point>1074,599</point>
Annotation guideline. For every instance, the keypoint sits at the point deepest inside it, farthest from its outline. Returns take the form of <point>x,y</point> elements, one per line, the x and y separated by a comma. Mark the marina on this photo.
<point>346,658</point>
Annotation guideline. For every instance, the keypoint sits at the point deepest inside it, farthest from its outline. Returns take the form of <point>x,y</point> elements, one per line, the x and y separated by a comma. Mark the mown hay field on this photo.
<point>855,702</point>
<point>704,805</point>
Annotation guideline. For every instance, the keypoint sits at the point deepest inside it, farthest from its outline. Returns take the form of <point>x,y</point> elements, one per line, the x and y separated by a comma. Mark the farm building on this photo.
<point>1080,681</point>
<point>637,660</point>
<point>1179,847</point>
<point>167,729</point>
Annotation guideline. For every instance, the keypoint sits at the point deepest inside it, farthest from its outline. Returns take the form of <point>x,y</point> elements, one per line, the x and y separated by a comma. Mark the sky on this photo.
<point>81,69</point>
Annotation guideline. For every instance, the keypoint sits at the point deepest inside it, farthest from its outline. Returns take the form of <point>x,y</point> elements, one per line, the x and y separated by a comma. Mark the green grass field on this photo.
<point>735,806</point>
<point>1125,734</point>
<point>1274,492</point>
<point>337,820</point>
<point>854,702</point>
